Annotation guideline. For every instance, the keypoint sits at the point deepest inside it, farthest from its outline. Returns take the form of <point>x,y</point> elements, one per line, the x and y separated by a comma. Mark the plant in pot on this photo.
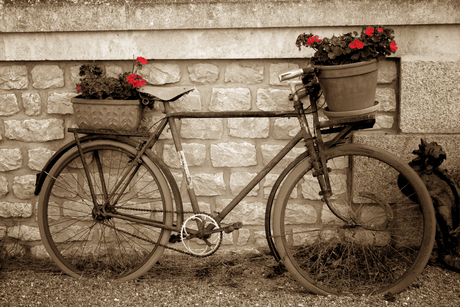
<point>348,67</point>
<point>106,102</point>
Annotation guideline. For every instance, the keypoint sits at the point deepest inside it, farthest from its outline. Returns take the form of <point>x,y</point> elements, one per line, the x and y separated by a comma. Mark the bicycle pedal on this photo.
<point>233,227</point>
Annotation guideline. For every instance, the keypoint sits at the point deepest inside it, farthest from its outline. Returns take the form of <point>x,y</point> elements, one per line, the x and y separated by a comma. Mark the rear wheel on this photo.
<point>85,241</point>
<point>379,237</point>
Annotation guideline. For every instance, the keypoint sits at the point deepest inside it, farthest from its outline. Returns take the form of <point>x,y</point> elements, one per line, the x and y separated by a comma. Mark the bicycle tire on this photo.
<point>384,242</point>
<point>85,244</point>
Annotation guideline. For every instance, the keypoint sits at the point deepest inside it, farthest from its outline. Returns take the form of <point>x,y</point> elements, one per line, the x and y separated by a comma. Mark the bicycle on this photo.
<point>343,218</point>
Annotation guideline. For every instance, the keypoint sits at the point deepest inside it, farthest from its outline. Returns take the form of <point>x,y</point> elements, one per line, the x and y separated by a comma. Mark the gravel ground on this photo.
<point>221,280</point>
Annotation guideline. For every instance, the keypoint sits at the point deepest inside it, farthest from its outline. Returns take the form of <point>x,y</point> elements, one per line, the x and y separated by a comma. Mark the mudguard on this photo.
<point>161,165</point>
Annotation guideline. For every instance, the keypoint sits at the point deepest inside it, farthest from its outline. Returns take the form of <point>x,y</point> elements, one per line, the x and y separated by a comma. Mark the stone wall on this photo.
<point>232,52</point>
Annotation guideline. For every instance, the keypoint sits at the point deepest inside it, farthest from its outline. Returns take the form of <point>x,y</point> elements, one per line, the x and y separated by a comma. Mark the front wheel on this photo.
<point>376,239</point>
<point>79,213</point>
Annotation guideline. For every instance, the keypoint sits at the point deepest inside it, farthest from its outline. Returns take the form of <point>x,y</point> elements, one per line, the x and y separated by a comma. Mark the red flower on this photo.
<point>356,44</point>
<point>141,60</point>
<point>370,31</point>
<point>136,80</point>
<point>380,30</point>
<point>78,88</point>
<point>393,47</point>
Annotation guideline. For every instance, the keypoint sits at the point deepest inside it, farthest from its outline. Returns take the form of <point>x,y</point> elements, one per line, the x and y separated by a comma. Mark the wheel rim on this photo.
<point>381,247</point>
<point>86,243</point>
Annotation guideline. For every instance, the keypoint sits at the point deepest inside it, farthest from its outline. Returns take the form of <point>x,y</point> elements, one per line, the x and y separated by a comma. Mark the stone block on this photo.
<point>39,251</point>
<point>74,75</point>
<point>24,186</point>
<point>9,209</point>
<point>249,128</point>
<point>189,102</point>
<point>160,73</point>
<point>285,128</point>
<point>24,233</point>
<point>2,232</point>
<point>202,128</point>
<point>14,77</point>
<point>113,71</point>
<point>239,180</point>
<point>384,121</point>
<point>243,236</point>
<point>31,130</point>
<point>59,103</point>
<point>278,69</point>
<point>38,158</point>
<point>239,73</point>
<point>272,99</point>
<point>247,212</point>
<point>388,72</point>
<point>230,99</point>
<point>195,154</point>
<point>270,151</point>
<point>4,186</point>
<point>32,103</point>
<point>207,184</point>
<point>387,99</point>
<point>203,72</point>
<point>47,76</point>
<point>232,154</point>
<point>430,97</point>
<point>402,145</point>
<point>8,105</point>
<point>10,159</point>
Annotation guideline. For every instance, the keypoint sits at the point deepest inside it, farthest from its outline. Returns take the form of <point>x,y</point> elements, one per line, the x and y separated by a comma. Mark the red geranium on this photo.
<point>356,45</point>
<point>393,47</point>
<point>141,60</point>
<point>370,31</point>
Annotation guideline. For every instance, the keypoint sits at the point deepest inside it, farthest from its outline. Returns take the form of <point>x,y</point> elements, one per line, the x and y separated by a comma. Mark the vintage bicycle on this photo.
<point>343,218</point>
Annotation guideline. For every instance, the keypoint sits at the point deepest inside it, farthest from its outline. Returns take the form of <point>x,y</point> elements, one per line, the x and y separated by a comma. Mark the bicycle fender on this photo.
<point>58,154</point>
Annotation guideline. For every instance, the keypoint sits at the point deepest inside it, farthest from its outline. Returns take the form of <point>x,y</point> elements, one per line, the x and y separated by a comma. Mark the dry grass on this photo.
<point>225,279</point>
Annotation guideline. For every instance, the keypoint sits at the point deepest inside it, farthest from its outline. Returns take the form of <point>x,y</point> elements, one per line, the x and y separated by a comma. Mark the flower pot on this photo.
<point>349,87</point>
<point>107,114</point>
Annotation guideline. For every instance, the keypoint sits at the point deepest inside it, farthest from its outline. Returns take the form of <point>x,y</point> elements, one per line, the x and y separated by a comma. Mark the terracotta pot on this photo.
<point>107,114</point>
<point>349,87</point>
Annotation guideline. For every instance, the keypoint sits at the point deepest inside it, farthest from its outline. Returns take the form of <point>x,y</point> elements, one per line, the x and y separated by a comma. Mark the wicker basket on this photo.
<point>107,114</point>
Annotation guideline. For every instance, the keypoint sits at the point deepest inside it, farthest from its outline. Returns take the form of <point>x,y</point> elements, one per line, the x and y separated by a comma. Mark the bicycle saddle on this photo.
<point>165,93</point>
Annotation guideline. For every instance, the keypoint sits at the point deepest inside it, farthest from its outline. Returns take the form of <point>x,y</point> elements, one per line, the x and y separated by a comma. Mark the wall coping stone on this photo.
<point>114,15</point>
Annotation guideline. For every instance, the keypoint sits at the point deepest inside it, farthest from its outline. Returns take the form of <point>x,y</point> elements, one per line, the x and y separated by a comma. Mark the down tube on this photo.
<point>273,162</point>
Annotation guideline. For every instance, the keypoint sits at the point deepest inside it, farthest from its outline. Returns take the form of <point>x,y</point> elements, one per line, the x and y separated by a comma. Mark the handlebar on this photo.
<point>295,73</point>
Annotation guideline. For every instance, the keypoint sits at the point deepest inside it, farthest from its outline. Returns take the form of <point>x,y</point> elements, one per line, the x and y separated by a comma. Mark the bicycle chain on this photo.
<point>153,242</point>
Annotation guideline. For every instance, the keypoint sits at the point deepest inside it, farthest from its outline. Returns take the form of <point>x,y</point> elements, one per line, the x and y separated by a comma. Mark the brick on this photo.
<point>279,68</point>
<point>230,99</point>
<point>245,74</point>
<point>9,209</point>
<point>202,128</point>
<point>239,180</point>
<point>10,159</point>
<point>203,72</point>
<point>24,186</point>
<point>195,154</point>
<point>3,186</point>
<point>31,130</point>
<point>32,103</point>
<point>8,105</point>
<point>233,154</point>
<point>47,76</point>
<point>38,158</point>
<point>249,128</point>
<point>274,100</point>
<point>160,73</point>
<point>206,184</point>
<point>14,77</point>
<point>59,103</point>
